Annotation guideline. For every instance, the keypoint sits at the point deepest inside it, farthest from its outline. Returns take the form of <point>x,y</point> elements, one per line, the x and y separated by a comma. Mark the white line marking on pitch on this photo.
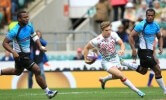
<point>65,93</point>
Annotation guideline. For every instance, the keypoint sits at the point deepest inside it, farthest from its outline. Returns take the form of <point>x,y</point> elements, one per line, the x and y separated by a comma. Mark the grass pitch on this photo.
<point>83,94</point>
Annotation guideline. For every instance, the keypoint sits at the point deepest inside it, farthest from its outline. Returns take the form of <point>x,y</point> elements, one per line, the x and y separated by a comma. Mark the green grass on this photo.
<point>83,94</point>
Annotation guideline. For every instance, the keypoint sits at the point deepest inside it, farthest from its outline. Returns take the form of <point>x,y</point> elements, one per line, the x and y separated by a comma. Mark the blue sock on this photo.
<point>150,79</point>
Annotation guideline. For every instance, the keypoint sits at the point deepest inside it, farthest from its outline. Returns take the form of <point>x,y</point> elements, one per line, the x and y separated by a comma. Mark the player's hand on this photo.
<point>15,55</point>
<point>42,48</point>
<point>88,61</point>
<point>121,52</point>
<point>134,54</point>
<point>160,50</point>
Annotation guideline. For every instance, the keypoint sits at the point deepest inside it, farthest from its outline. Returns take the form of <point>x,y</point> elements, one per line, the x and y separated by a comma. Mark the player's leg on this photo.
<point>158,77</point>
<point>36,70</point>
<point>107,65</point>
<point>151,75</point>
<point>30,79</point>
<point>42,69</point>
<point>11,71</point>
<point>134,66</point>
<point>118,74</point>
<point>41,82</point>
<point>103,80</point>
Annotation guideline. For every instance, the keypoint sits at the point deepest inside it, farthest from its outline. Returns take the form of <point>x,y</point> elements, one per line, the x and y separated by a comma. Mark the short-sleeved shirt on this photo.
<point>148,37</point>
<point>23,37</point>
<point>106,46</point>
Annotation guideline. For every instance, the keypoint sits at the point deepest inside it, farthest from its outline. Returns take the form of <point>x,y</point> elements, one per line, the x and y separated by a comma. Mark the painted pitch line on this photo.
<point>66,93</point>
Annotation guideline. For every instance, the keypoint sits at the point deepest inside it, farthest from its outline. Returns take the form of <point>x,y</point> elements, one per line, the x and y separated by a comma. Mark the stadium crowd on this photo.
<point>130,13</point>
<point>9,9</point>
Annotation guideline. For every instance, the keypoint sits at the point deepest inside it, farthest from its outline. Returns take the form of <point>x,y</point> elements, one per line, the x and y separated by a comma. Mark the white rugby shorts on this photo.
<point>113,62</point>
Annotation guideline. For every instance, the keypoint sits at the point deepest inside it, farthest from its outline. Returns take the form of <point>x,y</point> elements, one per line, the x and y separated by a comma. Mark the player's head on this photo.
<point>22,17</point>
<point>106,29</point>
<point>150,15</point>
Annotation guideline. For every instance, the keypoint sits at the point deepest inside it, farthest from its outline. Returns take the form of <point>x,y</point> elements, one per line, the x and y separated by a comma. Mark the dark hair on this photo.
<point>19,13</point>
<point>150,10</point>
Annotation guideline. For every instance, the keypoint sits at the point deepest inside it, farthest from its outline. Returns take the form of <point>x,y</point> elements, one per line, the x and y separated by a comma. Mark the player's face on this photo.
<point>106,32</point>
<point>24,19</point>
<point>150,16</point>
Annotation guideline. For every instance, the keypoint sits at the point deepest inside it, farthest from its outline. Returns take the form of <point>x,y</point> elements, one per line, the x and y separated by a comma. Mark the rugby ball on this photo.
<point>92,56</point>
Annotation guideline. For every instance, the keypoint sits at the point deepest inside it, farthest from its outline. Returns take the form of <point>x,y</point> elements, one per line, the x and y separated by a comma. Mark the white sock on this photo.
<point>46,90</point>
<point>152,72</point>
<point>161,83</point>
<point>109,77</point>
<point>0,71</point>
<point>130,85</point>
<point>132,66</point>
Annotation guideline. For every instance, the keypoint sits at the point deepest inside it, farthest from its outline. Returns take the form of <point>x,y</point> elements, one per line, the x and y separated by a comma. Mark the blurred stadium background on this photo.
<point>67,25</point>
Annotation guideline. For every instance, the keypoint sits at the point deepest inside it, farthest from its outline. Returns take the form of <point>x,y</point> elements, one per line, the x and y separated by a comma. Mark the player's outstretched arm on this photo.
<point>160,38</point>
<point>86,51</point>
<point>37,41</point>
<point>6,45</point>
<point>132,43</point>
<point>122,47</point>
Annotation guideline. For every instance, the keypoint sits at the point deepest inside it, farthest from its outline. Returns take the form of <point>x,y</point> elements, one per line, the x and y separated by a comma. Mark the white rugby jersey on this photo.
<point>106,46</point>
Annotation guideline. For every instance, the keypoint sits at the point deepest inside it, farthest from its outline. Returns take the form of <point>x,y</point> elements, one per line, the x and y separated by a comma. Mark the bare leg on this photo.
<point>41,82</point>
<point>11,71</point>
<point>158,77</point>
<point>39,79</point>
<point>118,74</point>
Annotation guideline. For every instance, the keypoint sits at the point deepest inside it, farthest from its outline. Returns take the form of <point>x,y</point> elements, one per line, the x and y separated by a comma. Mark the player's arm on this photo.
<point>37,41</point>
<point>131,39</point>
<point>122,47</point>
<point>96,51</point>
<point>86,51</point>
<point>154,51</point>
<point>160,40</point>
<point>132,43</point>
<point>7,46</point>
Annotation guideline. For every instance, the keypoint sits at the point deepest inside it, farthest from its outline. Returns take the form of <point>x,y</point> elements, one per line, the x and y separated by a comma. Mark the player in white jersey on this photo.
<point>105,44</point>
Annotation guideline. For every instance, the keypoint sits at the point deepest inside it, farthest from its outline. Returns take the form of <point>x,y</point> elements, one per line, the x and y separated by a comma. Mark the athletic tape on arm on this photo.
<point>34,36</point>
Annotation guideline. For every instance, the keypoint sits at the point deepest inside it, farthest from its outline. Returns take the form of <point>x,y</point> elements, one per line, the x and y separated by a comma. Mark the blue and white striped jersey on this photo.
<point>149,35</point>
<point>23,37</point>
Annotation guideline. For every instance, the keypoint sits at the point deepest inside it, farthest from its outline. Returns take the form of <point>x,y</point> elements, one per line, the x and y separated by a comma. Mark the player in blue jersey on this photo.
<point>147,30</point>
<point>20,36</point>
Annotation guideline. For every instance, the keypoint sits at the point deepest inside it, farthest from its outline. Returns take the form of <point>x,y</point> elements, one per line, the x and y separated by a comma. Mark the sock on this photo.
<point>109,77</point>
<point>0,72</point>
<point>161,83</point>
<point>46,90</point>
<point>132,66</point>
<point>150,79</point>
<point>130,85</point>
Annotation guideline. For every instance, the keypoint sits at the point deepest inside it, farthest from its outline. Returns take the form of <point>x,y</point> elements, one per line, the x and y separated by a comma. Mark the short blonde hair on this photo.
<point>104,24</point>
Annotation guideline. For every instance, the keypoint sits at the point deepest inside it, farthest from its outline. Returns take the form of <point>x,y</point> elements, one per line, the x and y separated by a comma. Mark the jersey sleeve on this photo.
<point>11,34</point>
<point>138,28</point>
<point>115,36</point>
<point>158,29</point>
<point>94,42</point>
